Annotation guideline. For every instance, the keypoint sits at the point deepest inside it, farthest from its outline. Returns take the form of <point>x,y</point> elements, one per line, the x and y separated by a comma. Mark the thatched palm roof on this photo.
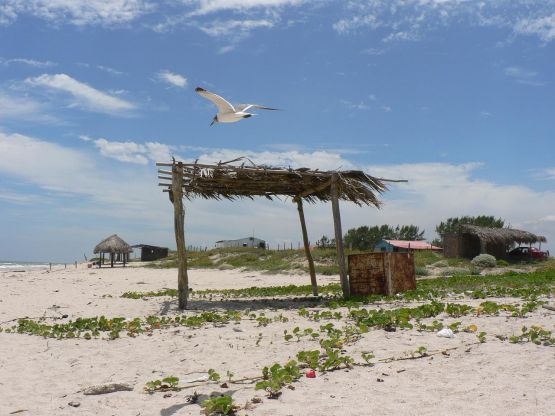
<point>227,181</point>
<point>113,244</point>
<point>505,236</point>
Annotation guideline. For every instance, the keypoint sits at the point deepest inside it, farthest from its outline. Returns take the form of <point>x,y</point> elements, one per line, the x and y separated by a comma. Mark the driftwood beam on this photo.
<point>307,248</point>
<point>339,237</point>
<point>179,228</point>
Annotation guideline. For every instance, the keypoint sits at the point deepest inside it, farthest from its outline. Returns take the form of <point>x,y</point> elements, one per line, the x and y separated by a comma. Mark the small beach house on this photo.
<point>404,246</point>
<point>242,242</point>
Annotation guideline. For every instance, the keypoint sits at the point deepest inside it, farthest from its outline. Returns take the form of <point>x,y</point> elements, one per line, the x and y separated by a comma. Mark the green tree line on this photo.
<point>366,237</point>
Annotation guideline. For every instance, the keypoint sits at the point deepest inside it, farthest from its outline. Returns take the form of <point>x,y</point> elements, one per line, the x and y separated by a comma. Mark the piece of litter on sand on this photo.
<point>107,388</point>
<point>446,333</point>
<point>74,404</point>
<point>197,379</point>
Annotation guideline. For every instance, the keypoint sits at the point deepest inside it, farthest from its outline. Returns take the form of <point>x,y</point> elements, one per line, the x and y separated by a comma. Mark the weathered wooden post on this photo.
<point>179,226</point>
<point>339,237</point>
<point>307,248</point>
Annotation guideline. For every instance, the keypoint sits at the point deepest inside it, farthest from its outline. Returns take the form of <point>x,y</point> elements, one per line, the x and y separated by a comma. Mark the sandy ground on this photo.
<point>41,376</point>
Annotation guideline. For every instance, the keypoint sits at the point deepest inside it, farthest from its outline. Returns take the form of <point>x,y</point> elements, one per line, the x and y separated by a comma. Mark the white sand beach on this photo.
<point>42,376</point>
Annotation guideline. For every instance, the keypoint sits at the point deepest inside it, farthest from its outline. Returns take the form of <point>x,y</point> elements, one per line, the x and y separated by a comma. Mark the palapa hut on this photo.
<point>227,181</point>
<point>117,248</point>
<point>472,240</point>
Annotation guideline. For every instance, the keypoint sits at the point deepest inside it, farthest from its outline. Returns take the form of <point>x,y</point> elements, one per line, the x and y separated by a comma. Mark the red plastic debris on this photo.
<point>311,374</point>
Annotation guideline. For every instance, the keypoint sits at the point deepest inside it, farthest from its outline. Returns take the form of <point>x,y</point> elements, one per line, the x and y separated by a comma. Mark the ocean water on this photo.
<point>10,266</point>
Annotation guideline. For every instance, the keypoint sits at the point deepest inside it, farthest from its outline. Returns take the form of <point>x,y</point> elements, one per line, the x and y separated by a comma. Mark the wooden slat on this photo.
<point>339,238</point>
<point>311,268</point>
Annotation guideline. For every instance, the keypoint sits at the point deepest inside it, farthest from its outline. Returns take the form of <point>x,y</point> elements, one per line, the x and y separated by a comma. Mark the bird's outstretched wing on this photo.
<point>223,105</point>
<point>245,107</point>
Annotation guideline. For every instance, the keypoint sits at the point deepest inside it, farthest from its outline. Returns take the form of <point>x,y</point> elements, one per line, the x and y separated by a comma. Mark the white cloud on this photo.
<point>23,108</point>
<point>66,172</point>
<point>76,12</point>
<point>401,36</point>
<point>361,105</point>
<point>523,76</point>
<point>351,24</point>
<point>109,70</point>
<point>516,72</point>
<point>30,62</point>
<point>172,78</point>
<point>234,28</point>
<point>211,6</point>
<point>544,27</point>
<point>84,95</point>
<point>227,49</point>
<point>321,159</point>
<point>402,20</point>
<point>88,190</point>
<point>436,191</point>
<point>550,173</point>
<point>132,152</point>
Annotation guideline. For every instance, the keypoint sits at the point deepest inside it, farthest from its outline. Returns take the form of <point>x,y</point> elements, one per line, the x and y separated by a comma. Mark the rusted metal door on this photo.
<point>366,274</point>
<point>381,273</point>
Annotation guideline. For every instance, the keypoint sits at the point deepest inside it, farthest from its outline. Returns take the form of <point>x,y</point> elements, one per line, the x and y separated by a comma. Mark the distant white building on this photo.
<point>242,242</point>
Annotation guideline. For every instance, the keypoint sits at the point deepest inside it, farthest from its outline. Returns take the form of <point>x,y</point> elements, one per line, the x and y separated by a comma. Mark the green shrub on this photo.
<point>484,261</point>
<point>441,263</point>
<point>455,271</point>
<point>502,263</point>
<point>422,271</point>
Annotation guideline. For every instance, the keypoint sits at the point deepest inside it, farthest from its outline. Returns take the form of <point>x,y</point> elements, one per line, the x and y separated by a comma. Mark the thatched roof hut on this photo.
<point>113,244</point>
<point>472,240</point>
<point>506,236</point>
<point>116,247</point>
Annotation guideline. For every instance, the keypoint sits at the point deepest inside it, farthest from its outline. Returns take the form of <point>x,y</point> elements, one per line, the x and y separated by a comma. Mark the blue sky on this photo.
<point>455,96</point>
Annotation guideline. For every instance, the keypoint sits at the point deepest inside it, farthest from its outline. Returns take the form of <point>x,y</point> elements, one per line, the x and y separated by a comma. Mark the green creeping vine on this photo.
<point>524,285</point>
<point>221,405</point>
<point>400,318</point>
<point>535,334</point>
<point>168,383</point>
<point>308,332</point>
<point>277,376</point>
<point>250,292</point>
<point>93,327</point>
<point>319,315</point>
<point>213,375</point>
<point>263,320</point>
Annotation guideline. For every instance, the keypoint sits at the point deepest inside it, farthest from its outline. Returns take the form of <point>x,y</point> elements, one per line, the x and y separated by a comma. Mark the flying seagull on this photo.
<point>228,113</point>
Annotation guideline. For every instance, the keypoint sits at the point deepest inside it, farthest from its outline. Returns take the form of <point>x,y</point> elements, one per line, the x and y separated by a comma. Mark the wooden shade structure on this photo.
<point>115,246</point>
<point>226,180</point>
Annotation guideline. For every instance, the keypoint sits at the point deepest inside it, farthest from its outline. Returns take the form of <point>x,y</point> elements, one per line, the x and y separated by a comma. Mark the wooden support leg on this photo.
<point>339,238</point>
<point>179,226</point>
<point>307,249</point>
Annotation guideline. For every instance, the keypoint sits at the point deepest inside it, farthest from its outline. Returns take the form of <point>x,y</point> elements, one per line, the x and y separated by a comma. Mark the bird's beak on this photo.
<point>213,121</point>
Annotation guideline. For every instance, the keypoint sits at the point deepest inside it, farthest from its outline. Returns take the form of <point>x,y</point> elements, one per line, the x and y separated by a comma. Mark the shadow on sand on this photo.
<point>247,304</point>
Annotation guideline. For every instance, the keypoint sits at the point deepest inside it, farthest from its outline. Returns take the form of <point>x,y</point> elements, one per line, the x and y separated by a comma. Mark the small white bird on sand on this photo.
<point>228,113</point>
